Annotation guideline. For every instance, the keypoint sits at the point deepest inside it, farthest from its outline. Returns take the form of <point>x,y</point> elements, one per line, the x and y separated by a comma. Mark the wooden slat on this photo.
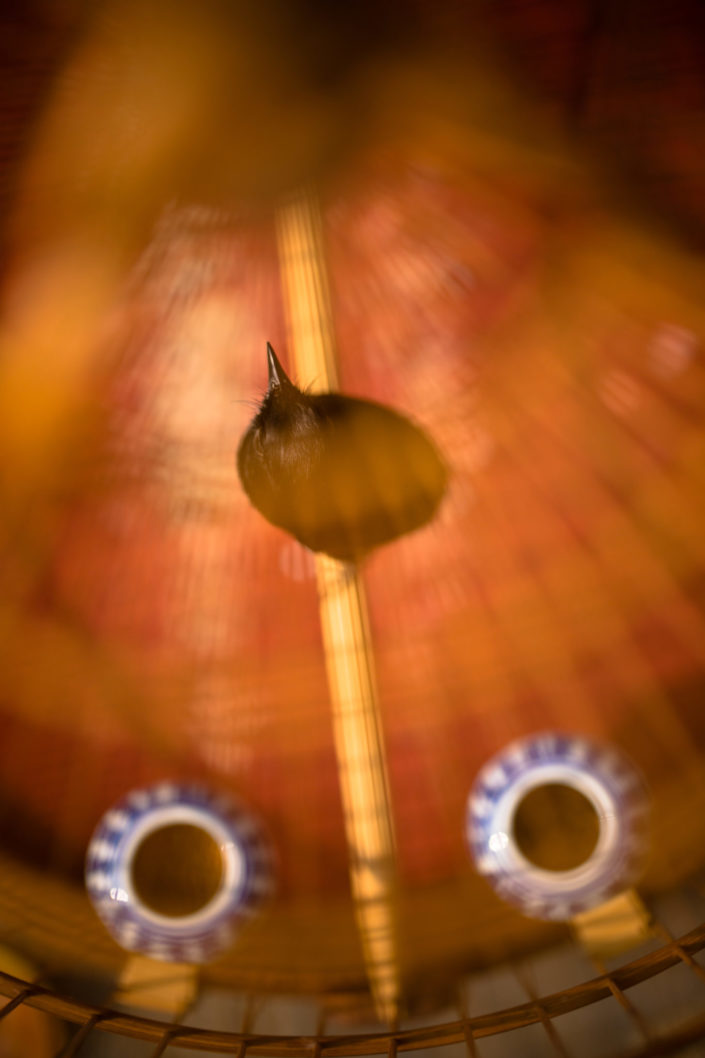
<point>357,727</point>
<point>575,998</point>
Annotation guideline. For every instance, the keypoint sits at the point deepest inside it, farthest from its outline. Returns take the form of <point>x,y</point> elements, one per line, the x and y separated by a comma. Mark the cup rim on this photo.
<point>231,886</point>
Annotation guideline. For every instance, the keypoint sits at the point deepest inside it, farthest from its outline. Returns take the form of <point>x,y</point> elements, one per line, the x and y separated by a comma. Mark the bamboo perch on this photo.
<point>349,659</point>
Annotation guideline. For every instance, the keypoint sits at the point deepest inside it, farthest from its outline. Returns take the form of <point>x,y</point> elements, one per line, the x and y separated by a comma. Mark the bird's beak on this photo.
<point>277,374</point>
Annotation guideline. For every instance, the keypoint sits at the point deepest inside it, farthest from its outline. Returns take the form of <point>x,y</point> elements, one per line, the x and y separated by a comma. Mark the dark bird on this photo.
<point>342,475</point>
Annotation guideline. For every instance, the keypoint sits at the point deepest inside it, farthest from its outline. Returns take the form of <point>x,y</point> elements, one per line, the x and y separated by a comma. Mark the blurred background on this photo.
<point>512,209</point>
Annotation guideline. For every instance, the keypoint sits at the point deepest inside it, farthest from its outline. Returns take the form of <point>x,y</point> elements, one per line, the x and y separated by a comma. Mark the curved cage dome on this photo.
<point>495,287</point>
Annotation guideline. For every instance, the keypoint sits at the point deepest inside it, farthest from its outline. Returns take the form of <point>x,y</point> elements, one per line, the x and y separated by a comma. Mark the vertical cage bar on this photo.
<point>550,1029</point>
<point>17,1001</point>
<point>72,1047</point>
<point>623,1001</point>
<point>462,1005</point>
<point>169,1036</point>
<point>357,726</point>
<point>683,955</point>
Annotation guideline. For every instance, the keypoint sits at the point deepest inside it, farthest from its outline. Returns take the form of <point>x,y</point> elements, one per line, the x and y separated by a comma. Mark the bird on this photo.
<point>341,474</point>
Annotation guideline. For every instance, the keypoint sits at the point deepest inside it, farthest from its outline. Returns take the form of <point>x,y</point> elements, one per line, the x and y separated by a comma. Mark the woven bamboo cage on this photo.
<point>468,215</point>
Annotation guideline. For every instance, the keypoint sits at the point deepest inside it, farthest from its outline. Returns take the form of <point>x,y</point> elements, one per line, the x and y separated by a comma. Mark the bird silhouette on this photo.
<point>341,474</point>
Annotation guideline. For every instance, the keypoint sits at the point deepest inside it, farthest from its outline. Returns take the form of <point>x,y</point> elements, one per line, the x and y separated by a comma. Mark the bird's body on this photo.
<point>341,474</point>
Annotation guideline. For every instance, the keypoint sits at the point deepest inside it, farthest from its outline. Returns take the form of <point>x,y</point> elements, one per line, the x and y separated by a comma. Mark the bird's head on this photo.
<point>284,406</point>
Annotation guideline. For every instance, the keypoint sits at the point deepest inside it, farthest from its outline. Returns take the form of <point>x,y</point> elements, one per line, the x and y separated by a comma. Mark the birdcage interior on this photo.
<point>351,421</point>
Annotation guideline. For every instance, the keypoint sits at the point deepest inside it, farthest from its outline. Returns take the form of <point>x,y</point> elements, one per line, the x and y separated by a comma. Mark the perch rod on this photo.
<point>357,727</point>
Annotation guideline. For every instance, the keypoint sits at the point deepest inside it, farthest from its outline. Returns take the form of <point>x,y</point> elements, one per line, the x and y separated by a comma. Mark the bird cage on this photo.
<point>432,210</point>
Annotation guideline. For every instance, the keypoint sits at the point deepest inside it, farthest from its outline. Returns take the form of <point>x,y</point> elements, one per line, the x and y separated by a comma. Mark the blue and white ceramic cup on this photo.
<point>173,869</point>
<point>610,786</point>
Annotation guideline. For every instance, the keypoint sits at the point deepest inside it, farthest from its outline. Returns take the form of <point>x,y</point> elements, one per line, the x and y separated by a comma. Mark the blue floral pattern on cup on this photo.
<point>600,774</point>
<point>246,878</point>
